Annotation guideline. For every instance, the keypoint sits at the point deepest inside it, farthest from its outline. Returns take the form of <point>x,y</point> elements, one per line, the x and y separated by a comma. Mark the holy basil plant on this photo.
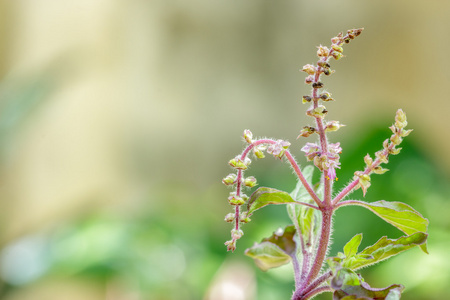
<point>311,205</point>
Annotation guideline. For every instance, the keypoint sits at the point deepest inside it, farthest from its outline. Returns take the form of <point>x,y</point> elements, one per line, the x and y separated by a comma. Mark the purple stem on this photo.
<point>327,214</point>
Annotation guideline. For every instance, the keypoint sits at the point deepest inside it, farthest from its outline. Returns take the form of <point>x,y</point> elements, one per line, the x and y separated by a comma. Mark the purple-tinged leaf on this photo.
<point>350,286</point>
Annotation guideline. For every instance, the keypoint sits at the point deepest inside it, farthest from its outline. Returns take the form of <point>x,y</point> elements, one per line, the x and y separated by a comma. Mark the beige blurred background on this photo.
<point>118,107</point>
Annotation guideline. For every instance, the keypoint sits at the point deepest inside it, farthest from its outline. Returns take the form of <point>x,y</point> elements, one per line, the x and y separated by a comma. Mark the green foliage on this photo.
<point>400,215</point>
<point>274,251</point>
<point>264,196</point>
<point>348,285</point>
<point>381,250</point>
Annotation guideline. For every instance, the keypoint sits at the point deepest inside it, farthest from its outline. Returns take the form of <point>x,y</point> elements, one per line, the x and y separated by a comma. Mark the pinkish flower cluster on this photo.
<point>328,161</point>
<point>278,148</point>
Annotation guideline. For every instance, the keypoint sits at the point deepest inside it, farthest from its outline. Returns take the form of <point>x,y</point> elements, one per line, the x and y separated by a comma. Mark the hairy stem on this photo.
<point>317,291</point>
<point>317,282</point>
<point>327,214</point>
<point>302,178</point>
<point>296,266</point>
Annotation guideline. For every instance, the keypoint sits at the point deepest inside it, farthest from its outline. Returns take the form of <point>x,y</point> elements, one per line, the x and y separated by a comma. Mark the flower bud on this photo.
<point>326,96</point>
<point>307,131</point>
<point>368,160</point>
<point>333,126</point>
<point>382,156</point>
<point>322,51</point>
<point>238,164</point>
<point>258,153</point>
<point>335,40</point>
<point>309,79</point>
<point>323,64</point>
<point>317,85</point>
<point>235,200</point>
<point>318,112</point>
<point>396,139</point>
<point>393,129</point>
<point>386,144</point>
<point>358,31</point>
<point>279,148</point>
<point>231,245</point>
<point>306,99</point>
<point>236,234</point>
<point>364,181</point>
<point>380,170</point>
<point>394,151</point>
<point>309,69</point>
<point>400,119</point>
<point>229,218</point>
<point>244,218</point>
<point>248,135</point>
<point>336,55</point>
<point>337,48</point>
<point>320,162</point>
<point>250,181</point>
<point>229,180</point>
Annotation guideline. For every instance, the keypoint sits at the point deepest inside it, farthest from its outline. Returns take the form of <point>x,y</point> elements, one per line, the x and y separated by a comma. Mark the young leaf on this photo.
<point>350,286</point>
<point>274,251</point>
<point>351,248</point>
<point>400,215</point>
<point>383,249</point>
<point>264,196</point>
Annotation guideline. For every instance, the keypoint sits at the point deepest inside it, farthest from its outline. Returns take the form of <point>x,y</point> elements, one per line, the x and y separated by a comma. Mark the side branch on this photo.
<point>302,178</point>
<point>293,163</point>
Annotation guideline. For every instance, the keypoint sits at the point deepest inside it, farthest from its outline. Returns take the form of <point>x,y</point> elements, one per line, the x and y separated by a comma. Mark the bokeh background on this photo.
<point>117,119</point>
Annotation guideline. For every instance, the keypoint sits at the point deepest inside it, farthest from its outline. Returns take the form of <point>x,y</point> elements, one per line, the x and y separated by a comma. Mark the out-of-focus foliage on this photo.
<point>117,119</point>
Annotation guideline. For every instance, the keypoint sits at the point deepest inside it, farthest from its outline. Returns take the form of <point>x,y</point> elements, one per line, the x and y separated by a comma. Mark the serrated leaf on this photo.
<point>353,287</point>
<point>351,248</point>
<point>275,250</point>
<point>264,196</point>
<point>383,249</point>
<point>400,215</point>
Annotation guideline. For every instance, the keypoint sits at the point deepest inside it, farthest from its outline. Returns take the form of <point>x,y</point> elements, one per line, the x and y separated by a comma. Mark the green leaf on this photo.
<point>351,248</point>
<point>267,255</point>
<point>383,249</point>
<point>306,219</point>
<point>300,193</point>
<point>264,196</point>
<point>274,251</point>
<point>350,286</point>
<point>400,215</point>
<point>344,277</point>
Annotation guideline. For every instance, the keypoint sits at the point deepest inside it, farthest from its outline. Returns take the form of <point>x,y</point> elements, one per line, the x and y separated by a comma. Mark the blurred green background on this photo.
<point>117,119</point>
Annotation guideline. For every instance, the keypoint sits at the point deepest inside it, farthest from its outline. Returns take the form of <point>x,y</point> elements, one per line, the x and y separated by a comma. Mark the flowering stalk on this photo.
<point>311,207</point>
